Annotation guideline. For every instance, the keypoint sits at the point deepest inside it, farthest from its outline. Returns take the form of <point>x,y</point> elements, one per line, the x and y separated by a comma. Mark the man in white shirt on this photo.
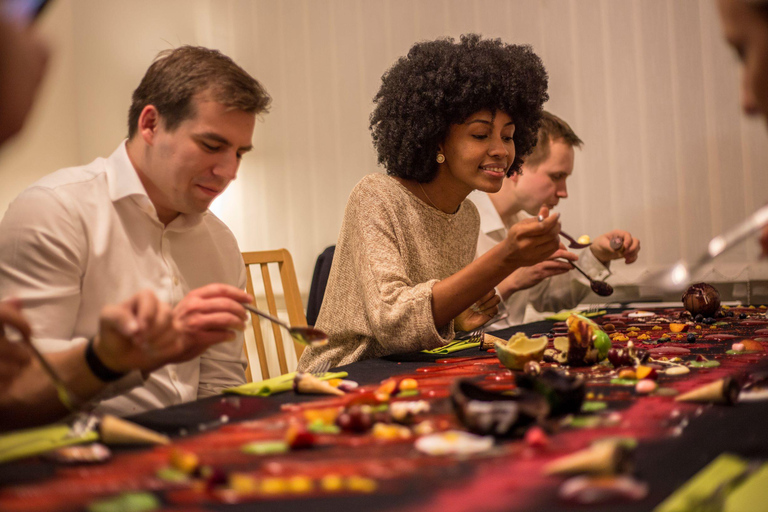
<point>89,236</point>
<point>548,286</point>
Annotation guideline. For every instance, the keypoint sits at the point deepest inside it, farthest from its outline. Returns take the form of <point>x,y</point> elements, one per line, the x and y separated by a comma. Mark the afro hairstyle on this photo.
<point>442,82</point>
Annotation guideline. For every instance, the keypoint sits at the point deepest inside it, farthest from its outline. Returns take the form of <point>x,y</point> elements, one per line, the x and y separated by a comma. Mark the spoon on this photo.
<point>601,288</point>
<point>573,243</point>
<point>304,335</point>
<point>682,273</point>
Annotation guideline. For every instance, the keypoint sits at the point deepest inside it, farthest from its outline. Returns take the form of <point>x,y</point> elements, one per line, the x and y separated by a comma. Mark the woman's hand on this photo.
<point>532,241</point>
<point>479,314</point>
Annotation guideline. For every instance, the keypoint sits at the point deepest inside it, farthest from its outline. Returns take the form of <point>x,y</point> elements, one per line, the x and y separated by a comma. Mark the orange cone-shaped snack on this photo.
<point>723,391</point>
<point>308,383</point>
<point>115,430</point>
<point>605,457</point>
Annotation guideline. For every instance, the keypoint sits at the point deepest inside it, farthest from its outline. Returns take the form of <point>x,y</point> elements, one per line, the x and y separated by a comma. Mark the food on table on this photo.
<point>702,299</point>
<point>489,340</point>
<point>564,393</point>
<point>608,456</point>
<point>87,454</point>
<point>586,343</point>
<point>520,349</point>
<point>490,413</point>
<point>308,383</point>
<point>127,502</point>
<point>114,430</point>
<point>591,490</point>
<point>453,442</point>
<point>722,391</point>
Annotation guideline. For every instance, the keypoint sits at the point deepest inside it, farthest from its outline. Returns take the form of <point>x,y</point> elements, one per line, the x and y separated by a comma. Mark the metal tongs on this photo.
<point>682,273</point>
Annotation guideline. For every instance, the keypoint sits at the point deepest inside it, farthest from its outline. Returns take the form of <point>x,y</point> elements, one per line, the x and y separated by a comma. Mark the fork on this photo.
<point>476,336</point>
<point>66,396</point>
<point>322,369</point>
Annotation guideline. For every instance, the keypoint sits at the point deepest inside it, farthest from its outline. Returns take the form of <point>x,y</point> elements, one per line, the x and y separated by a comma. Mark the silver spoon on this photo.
<point>304,335</point>
<point>679,276</point>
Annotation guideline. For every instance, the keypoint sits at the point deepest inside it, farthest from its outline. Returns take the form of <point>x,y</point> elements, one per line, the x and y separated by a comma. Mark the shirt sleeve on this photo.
<point>42,257</point>
<point>399,310</point>
<point>223,365</point>
<point>566,291</point>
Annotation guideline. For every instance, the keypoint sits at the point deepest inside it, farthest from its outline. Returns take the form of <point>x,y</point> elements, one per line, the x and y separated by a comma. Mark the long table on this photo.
<point>502,480</point>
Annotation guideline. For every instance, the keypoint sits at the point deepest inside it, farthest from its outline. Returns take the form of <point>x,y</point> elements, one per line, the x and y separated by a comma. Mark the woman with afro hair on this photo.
<point>450,118</point>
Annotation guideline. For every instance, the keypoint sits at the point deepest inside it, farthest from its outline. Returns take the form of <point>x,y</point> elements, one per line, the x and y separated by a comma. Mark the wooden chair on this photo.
<point>292,300</point>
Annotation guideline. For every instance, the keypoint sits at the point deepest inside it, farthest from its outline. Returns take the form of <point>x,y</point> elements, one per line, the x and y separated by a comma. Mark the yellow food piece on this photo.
<point>332,483</point>
<point>630,329</point>
<point>274,485</point>
<point>632,334</point>
<point>643,337</point>
<point>520,349</point>
<point>300,484</point>
<point>676,327</point>
<point>184,460</point>
<point>584,239</point>
<point>408,384</point>
<point>656,328</point>
<point>326,415</point>
<point>361,484</point>
<point>243,484</point>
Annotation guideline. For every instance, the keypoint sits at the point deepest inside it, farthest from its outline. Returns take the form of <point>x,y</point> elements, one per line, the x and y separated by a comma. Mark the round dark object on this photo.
<point>602,288</point>
<point>691,338</point>
<point>702,298</point>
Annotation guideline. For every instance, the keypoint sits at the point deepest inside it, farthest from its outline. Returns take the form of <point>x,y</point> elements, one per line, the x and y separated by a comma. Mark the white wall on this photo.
<point>648,84</point>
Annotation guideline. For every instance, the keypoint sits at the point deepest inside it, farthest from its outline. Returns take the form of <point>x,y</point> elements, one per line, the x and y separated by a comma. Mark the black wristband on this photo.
<point>98,368</point>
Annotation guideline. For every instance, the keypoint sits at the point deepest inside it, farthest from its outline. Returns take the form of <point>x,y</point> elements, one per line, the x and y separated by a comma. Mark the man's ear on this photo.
<point>149,124</point>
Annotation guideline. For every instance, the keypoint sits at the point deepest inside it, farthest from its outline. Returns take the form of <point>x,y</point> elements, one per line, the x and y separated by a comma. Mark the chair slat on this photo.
<point>293,303</point>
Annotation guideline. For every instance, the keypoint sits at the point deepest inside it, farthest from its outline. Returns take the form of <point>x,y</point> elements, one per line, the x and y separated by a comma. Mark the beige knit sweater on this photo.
<point>392,249</point>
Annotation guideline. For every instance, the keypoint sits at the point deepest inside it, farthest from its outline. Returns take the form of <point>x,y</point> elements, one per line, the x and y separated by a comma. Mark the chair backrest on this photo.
<point>292,300</point>
<point>319,283</point>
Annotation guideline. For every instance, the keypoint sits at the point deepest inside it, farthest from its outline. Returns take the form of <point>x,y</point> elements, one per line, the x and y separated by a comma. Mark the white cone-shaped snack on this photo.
<point>600,458</point>
<point>115,430</point>
<point>723,391</point>
<point>308,383</point>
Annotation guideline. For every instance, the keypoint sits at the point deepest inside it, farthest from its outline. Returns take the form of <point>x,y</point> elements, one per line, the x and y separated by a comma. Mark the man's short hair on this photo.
<point>551,129</point>
<point>177,76</point>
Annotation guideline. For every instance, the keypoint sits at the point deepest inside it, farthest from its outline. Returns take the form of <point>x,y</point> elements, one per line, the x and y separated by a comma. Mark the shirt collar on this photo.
<point>123,181</point>
<point>490,220</point>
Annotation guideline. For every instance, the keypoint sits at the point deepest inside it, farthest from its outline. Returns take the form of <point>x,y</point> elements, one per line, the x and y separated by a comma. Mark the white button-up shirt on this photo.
<point>553,294</point>
<point>85,237</point>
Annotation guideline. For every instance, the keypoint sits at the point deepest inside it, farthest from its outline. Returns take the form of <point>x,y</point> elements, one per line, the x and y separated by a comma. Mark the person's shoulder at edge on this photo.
<point>71,175</point>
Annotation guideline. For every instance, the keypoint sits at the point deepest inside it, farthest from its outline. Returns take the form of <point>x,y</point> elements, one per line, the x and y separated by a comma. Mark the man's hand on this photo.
<point>210,315</point>
<point>144,333</point>
<point>532,241</point>
<point>13,356</point>
<point>479,314</point>
<point>527,277</point>
<point>137,334</point>
<point>604,252</point>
